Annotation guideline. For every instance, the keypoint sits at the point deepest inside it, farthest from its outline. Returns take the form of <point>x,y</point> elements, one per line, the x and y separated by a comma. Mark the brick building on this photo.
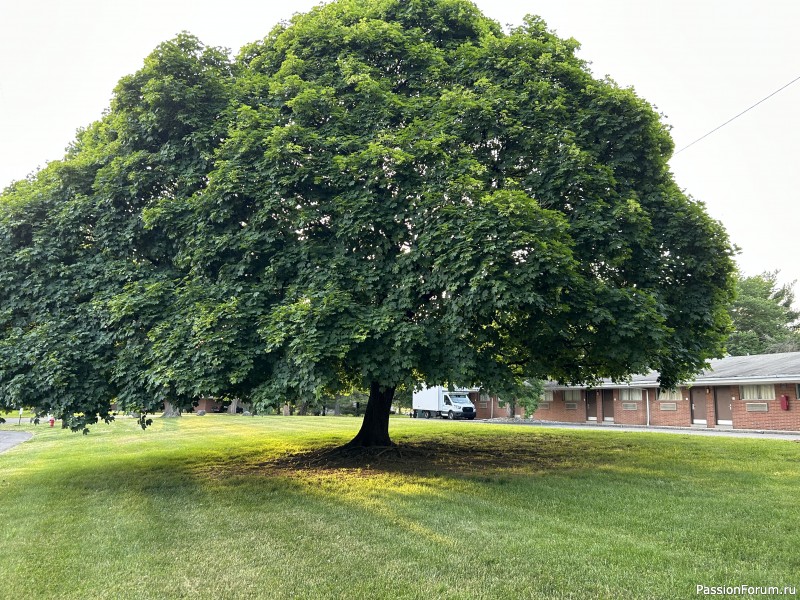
<point>739,392</point>
<point>491,407</point>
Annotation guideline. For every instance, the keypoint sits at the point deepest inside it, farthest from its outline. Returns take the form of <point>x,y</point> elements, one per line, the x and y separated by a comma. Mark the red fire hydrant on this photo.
<point>52,421</point>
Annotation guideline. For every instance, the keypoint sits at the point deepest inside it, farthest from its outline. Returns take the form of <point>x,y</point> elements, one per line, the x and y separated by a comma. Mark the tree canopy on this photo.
<point>379,193</point>
<point>764,319</point>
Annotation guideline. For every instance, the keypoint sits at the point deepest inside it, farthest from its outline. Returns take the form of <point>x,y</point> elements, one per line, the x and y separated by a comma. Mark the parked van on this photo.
<point>438,401</point>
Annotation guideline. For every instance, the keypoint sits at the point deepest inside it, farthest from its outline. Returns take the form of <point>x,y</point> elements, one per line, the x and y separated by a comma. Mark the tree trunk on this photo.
<point>512,407</point>
<point>375,426</point>
<point>234,406</point>
<point>170,410</point>
<point>337,409</point>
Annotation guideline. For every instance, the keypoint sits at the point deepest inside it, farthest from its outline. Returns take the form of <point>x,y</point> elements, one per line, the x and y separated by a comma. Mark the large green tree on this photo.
<point>764,318</point>
<point>383,192</point>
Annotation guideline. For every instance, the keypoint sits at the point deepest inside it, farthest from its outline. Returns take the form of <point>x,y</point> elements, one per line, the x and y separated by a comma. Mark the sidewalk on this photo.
<point>740,433</point>
<point>9,439</point>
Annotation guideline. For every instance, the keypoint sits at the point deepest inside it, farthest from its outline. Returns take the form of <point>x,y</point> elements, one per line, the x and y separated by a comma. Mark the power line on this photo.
<point>739,115</point>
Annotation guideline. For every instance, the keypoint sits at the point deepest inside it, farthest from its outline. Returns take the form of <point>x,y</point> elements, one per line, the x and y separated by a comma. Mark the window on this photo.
<point>630,395</point>
<point>548,396</point>
<point>758,392</point>
<point>572,395</point>
<point>670,395</point>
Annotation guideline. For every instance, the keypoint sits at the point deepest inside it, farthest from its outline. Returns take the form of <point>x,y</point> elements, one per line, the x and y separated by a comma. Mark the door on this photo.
<point>591,405</point>
<point>723,405</point>
<point>446,407</point>
<point>698,397</point>
<point>608,405</point>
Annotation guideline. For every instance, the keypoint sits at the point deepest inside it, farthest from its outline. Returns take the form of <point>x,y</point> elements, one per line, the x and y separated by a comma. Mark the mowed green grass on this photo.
<point>209,507</point>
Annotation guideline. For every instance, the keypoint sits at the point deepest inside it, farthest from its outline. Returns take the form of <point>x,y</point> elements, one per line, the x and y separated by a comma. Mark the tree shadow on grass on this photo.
<point>455,456</point>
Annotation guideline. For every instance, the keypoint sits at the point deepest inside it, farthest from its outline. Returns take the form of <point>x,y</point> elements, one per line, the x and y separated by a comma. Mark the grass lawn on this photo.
<point>248,507</point>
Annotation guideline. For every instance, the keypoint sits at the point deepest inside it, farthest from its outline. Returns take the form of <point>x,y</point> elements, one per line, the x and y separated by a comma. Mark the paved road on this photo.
<point>775,435</point>
<point>9,439</point>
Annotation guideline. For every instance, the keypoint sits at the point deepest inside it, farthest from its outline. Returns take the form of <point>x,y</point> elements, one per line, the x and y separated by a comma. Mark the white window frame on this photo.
<point>758,392</point>
<point>631,394</point>
<point>670,395</point>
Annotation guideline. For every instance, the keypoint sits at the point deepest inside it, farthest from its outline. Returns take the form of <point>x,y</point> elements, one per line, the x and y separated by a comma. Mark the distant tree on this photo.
<point>531,395</point>
<point>764,318</point>
<point>403,397</point>
<point>523,393</point>
<point>379,193</point>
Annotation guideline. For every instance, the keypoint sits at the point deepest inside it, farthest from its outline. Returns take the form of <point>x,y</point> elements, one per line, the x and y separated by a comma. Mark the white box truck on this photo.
<point>438,401</point>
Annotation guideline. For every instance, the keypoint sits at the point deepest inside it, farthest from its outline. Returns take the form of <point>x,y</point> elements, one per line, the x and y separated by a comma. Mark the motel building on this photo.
<point>739,392</point>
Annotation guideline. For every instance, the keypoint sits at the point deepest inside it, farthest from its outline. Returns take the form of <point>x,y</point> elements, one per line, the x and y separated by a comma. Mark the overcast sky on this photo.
<point>700,62</point>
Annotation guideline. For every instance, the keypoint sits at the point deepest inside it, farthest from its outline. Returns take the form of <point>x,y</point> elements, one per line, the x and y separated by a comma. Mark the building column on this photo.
<point>599,399</point>
<point>711,410</point>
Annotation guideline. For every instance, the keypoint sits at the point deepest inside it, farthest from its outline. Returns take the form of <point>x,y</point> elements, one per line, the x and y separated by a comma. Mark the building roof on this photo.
<point>732,370</point>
